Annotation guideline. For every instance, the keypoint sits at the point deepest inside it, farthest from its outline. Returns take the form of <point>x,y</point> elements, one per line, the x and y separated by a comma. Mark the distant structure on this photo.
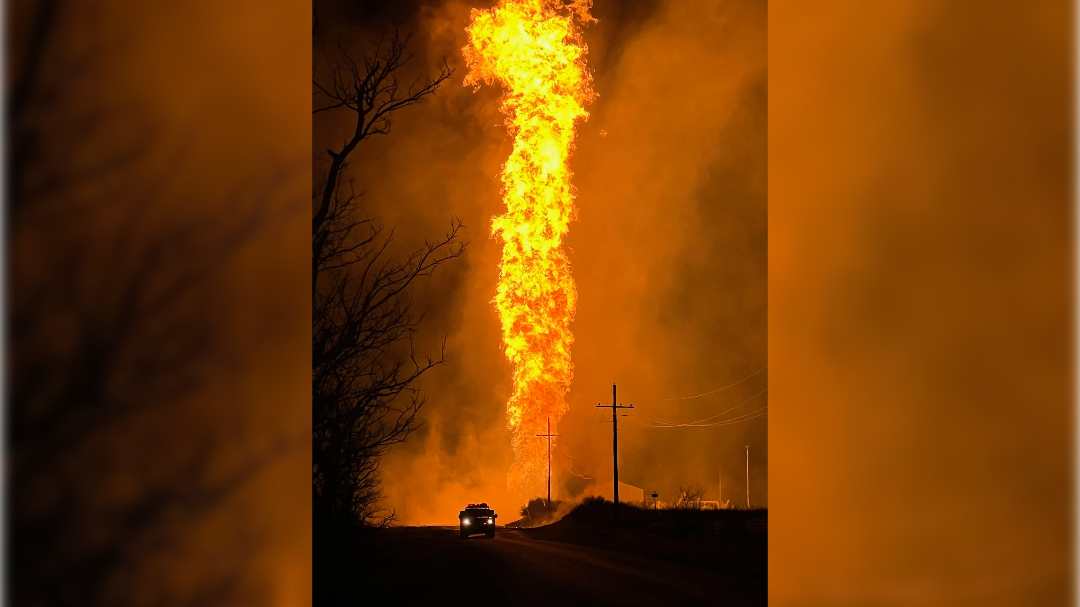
<point>627,493</point>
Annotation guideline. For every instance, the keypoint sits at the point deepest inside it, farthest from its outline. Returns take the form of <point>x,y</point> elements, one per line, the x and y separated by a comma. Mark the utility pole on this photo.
<point>748,477</point>
<point>615,441</point>
<point>549,436</point>
<point>720,486</point>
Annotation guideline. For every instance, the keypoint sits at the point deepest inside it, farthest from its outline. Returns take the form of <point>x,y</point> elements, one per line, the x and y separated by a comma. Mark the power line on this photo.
<point>656,428</point>
<point>670,423</point>
<point>710,392</point>
<point>571,470</point>
<point>738,419</point>
<point>741,418</point>
<point>724,422</point>
<point>588,433</point>
<point>581,476</point>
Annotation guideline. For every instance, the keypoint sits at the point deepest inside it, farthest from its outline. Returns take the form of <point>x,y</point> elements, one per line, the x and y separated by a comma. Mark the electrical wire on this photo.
<point>571,470</point>
<point>581,476</point>
<point>588,433</point>
<point>671,423</point>
<point>710,392</point>
<point>735,420</point>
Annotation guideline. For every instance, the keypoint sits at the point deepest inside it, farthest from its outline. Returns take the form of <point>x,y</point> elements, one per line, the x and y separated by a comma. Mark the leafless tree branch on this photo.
<point>364,368</point>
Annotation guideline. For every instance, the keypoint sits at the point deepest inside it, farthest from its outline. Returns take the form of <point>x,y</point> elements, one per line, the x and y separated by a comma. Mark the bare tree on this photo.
<point>364,369</point>
<point>689,496</point>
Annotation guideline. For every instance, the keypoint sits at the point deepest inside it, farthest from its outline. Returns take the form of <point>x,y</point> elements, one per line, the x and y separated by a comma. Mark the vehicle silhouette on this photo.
<point>477,518</point>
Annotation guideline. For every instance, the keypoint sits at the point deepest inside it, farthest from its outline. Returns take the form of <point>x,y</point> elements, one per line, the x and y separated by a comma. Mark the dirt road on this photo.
<point>429,565</point>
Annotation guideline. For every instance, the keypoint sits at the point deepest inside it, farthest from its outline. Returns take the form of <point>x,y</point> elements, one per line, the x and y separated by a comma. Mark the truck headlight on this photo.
<point>465,522</point>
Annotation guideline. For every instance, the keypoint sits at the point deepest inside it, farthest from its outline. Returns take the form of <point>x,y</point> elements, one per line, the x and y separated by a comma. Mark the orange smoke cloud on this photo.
<point>533,47</point>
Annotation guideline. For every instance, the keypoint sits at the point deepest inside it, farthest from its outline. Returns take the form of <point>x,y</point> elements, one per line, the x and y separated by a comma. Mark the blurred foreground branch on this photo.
<point>119,453</point>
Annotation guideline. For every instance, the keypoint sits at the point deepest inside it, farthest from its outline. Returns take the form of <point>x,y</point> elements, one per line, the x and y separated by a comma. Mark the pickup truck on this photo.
<point>477,518</point>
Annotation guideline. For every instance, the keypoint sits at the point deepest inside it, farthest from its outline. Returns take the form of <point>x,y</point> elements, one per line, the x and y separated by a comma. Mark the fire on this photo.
<point>534,49</point>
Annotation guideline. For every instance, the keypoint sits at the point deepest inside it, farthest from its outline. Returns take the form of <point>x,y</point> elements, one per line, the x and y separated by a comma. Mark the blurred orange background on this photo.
<point>919,296</point>
<point>158,444</point>
<point>920,303</point>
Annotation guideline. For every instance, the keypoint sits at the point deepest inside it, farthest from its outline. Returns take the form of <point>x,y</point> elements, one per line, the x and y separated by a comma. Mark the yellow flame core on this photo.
<point>534,49</point>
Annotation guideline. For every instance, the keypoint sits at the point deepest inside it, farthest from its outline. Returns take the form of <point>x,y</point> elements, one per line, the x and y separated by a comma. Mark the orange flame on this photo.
<point>534,48</point>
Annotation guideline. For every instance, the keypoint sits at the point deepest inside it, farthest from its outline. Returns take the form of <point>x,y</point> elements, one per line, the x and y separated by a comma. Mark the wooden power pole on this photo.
<point>549,436</point>
<point>748,477</point>
<point>615,441</point>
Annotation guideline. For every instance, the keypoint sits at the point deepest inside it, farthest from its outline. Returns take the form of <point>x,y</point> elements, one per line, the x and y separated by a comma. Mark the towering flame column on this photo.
<point>534,49</point>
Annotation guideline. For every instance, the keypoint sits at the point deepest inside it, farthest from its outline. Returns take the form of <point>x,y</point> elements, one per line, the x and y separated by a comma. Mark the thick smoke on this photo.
<point>669,255</point>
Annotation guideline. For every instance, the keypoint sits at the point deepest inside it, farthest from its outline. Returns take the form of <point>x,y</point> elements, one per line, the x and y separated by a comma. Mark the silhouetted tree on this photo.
<point>364,369</point>
<point>114,325</point>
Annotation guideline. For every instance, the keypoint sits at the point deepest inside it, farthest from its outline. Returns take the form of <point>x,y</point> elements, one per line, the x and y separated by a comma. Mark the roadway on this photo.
<point>432,565</point>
